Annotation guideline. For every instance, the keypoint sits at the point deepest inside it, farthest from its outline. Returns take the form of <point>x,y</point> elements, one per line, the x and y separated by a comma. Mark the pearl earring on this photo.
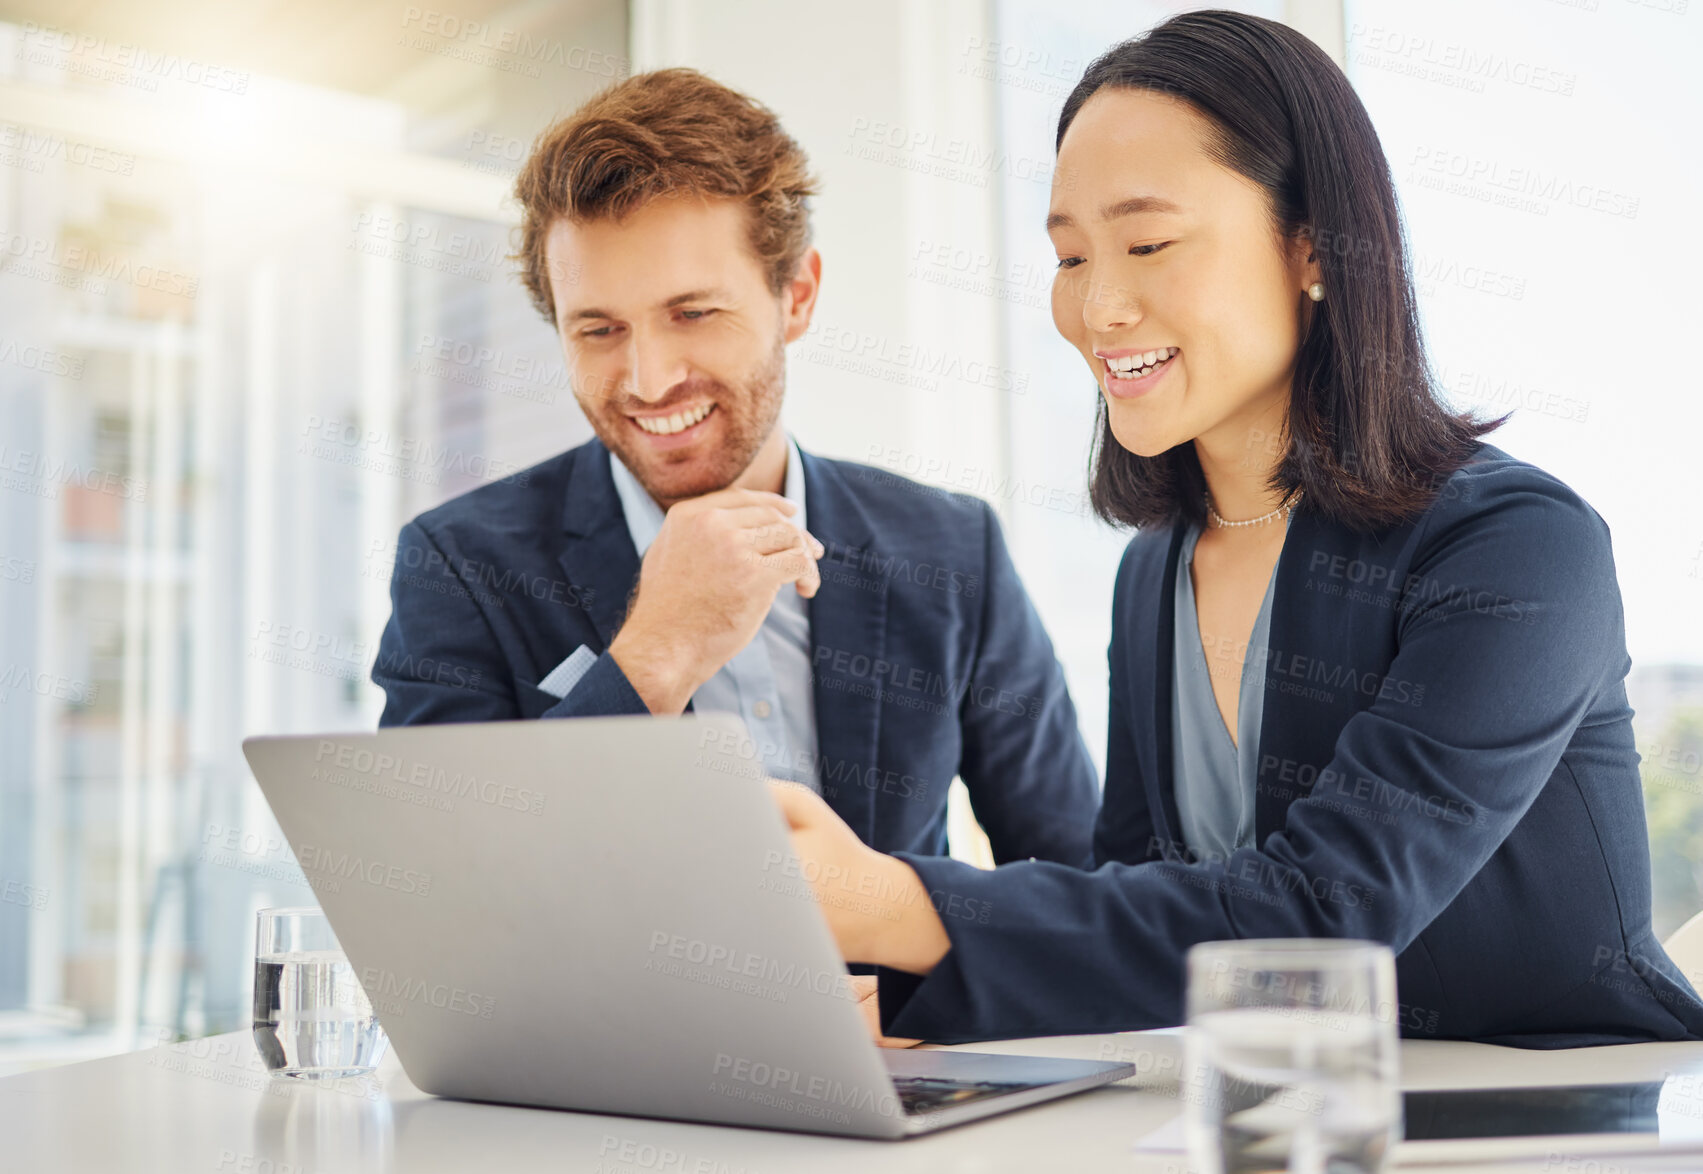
<point>1316,291</point>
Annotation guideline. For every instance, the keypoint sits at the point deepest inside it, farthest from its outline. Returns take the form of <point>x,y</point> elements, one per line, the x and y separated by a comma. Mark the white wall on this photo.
<point>903,150</point>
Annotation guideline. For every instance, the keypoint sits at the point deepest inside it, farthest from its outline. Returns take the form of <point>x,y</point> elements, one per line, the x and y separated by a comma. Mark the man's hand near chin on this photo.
<point>864,986</point>
<point>705,587</point>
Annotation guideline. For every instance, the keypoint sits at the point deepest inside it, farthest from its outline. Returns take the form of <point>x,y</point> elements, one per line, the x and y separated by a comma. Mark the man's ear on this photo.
<point>798,299</point>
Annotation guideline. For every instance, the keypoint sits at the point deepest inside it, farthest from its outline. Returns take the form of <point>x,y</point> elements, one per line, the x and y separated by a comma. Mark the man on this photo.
<point>872,633</point>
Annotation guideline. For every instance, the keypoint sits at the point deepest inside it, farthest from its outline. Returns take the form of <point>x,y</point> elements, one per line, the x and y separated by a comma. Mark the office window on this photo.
<point>242,339</point>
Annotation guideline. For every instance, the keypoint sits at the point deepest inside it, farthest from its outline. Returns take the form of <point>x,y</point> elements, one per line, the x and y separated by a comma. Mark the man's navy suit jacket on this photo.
<point>1446,765</point>
<point>928,660</point>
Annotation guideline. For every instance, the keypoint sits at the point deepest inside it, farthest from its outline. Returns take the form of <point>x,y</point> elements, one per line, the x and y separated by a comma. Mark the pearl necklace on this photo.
<point>1285,509</point>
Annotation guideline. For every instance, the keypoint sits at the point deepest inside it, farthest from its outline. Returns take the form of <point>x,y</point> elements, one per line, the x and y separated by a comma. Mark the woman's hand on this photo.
<point>876,905</point>
<point>868,1001</point>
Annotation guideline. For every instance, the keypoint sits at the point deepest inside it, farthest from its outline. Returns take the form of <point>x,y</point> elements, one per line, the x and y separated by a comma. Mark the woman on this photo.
<point>1429,744</point>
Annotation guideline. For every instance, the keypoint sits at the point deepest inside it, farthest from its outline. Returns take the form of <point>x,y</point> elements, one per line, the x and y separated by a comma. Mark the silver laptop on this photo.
<point>605,915</point>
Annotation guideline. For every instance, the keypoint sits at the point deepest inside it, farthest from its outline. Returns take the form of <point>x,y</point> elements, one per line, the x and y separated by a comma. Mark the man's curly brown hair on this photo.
<point>668,132</point>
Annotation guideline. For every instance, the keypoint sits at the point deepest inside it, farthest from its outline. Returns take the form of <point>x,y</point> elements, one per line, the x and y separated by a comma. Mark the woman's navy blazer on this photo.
<point>1446,765</point>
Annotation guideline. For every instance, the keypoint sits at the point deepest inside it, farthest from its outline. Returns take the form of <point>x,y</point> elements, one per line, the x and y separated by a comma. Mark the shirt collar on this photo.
<point>644,516</point>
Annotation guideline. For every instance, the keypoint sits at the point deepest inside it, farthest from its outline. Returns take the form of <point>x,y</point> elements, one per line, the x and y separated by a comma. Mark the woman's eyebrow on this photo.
<point>1125,207</point>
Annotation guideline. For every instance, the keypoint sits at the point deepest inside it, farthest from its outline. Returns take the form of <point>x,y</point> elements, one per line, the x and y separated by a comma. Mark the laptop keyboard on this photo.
<point>921,1094</point>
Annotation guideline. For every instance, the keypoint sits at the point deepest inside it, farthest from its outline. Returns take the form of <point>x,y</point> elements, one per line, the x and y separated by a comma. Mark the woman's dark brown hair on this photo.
<point>1368,439</point>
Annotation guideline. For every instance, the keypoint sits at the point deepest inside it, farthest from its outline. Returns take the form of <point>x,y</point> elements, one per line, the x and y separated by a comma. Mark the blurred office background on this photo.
<point>255,312</point>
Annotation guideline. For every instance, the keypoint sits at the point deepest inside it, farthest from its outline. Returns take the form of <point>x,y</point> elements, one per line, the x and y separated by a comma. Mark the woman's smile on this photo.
<point>1128,373</point>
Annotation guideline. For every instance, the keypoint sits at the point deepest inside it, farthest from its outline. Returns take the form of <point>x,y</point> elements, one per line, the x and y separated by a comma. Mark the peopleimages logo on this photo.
<point>28,149</point>
<point>48,473</point>
<point>389,993</point>
<point>745,965</point>
<point>35,358</point>
<point>321,863</point>
<point>25,679</point>
<point>13,892</point>
<point>99,58</point>
<point>818,1096</point>
<point>389,768</point>
<point>94,263</point>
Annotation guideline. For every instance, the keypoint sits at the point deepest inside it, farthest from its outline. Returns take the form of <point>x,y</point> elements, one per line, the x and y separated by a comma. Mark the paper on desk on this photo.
<point>1167,1139</point>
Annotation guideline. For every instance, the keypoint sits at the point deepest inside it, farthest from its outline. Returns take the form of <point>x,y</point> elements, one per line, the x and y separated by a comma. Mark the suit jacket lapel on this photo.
<point>848,614</point>
<point>597,550</point>
<point>1152,651</point>
<point>1308,644</point>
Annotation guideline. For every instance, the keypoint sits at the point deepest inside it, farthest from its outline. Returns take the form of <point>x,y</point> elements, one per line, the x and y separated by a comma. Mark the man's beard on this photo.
<point>748,414</point>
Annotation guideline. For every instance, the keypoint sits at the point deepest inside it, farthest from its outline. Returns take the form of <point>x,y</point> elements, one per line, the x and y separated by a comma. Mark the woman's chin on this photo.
<point>1142,441</point>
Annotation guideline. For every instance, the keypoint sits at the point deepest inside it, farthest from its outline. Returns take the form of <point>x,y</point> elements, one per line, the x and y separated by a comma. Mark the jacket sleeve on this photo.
<point>604,691</point>
<point>440,661</point>
<point>1031,782</point>
<point>1511,623</point>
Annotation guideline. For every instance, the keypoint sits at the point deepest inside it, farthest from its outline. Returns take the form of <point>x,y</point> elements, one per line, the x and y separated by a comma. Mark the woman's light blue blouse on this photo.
<point>1214,775</point>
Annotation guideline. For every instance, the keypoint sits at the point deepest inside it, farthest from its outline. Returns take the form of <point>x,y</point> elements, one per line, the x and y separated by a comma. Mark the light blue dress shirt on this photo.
<point>1214,776</point>
<point>768,683</point>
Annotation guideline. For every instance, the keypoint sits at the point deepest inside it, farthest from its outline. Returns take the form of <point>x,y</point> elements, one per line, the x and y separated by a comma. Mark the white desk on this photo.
<point>208,1107</point>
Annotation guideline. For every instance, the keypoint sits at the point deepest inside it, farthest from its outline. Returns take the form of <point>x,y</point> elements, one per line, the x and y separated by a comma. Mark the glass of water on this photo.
<point>311,1017</point>
<point>1292,1057</point>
